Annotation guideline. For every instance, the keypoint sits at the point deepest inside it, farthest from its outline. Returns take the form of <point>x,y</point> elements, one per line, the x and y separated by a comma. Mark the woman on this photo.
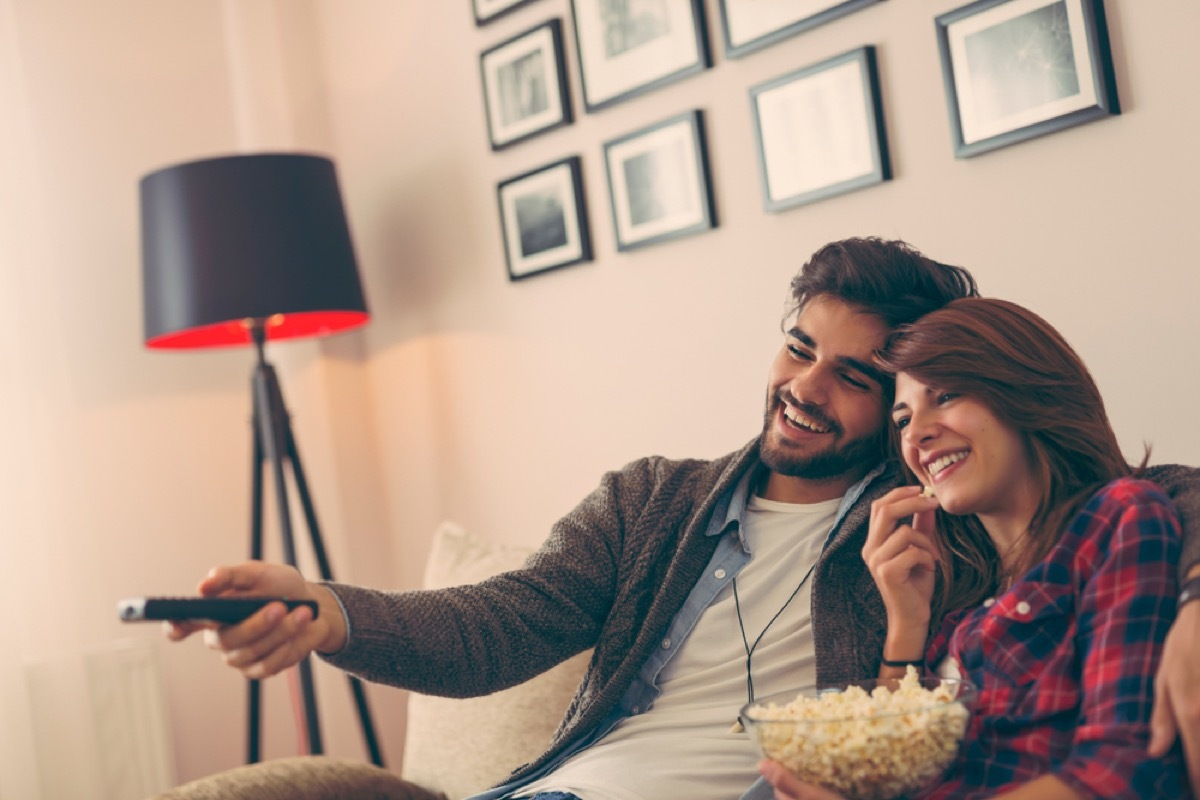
<point>1047,567</point>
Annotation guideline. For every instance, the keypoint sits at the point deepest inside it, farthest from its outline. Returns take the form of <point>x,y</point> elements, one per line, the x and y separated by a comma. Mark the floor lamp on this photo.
<point>237,251</point>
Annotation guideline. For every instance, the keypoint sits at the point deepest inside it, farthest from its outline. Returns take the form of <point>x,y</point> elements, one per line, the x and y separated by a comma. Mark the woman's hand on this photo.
<point>272,639</point>
<point>902,558</point>
<point>789,787</point>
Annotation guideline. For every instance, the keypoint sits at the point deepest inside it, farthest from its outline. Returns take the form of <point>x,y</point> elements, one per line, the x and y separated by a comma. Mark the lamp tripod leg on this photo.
<point>270,422</point>
<point>356,685</point>
<point>254,687</point>
<point>274,442</point>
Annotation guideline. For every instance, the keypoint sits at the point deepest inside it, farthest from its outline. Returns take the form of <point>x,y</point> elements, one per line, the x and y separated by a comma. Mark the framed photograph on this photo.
<point>488,10</point>
<point>751,25</point>
<point>627,47</point>
<point>544,219</point>
<point>820,131</point>
<point>525,85</point>
<point>658,182</point>
<point>1017,69</point>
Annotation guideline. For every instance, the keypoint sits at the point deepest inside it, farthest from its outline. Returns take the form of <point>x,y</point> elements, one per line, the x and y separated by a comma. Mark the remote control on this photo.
<point>217,609</point>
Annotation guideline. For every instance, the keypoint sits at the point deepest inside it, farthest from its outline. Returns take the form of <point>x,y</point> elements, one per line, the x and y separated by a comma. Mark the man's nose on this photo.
<point>811,385</point>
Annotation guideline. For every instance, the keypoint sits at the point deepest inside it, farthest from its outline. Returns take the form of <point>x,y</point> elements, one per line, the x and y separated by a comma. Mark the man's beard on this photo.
<point>853,457</point>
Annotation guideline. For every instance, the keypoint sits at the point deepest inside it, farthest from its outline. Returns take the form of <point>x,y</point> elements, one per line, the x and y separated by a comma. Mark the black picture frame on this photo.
<point>625,50</point>
<point>543,218</point>
<point>486,11</point>
<point>989,77</point>
<point>820,130</point>
<point>750,25</point>
<point>658,182</point>
<point>525,90</point>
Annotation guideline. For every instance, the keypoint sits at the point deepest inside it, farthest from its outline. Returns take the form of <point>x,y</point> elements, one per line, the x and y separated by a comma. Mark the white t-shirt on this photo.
<point>682,745</point>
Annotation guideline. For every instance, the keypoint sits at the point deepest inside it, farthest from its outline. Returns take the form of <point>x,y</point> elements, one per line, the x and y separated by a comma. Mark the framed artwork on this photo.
<point>525,85</point>
<point>751,25</point>
<point>488,10</point>
<point>820,131</point>
<point>627,47</point>
<point>544,219</point>
<point>658,182</point>
<point>1017,69</point>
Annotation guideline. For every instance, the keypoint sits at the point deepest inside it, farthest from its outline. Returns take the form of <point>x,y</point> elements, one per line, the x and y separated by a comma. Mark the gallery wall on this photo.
<point>469,396</point>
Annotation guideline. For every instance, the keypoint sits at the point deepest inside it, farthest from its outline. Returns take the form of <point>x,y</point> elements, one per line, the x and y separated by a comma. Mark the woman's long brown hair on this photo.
<point>1023,370</point>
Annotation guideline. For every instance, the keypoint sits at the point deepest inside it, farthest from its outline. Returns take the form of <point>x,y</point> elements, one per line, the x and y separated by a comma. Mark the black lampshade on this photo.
<point>243,237</point>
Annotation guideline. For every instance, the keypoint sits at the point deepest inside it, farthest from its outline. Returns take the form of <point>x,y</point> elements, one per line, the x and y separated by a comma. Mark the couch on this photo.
<point>507,728</point>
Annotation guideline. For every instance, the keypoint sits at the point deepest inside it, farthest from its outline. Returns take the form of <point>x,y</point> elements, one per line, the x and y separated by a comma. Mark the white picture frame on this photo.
<point>628,47</point>
<point>543,217</point>
<point>1018,69</point>
<point>750,25</point>
<point>820,131</point>
<point>488,10</point>
<point>525,88</point>
<point>658,181</point>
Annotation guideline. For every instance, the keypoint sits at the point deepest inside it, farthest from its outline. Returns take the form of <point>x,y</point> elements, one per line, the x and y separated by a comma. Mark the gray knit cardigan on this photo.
<point>612,575</point>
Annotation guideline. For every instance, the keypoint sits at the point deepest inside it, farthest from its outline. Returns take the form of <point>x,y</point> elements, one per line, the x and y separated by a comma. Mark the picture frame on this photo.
<point>629,47</point>
<point>525,87</point>
<point>820,130</point>
<point>750,25</point>
<point>997,95</point>
<point>489,10</point>
<point>543,217</point>
<point>658,181</point>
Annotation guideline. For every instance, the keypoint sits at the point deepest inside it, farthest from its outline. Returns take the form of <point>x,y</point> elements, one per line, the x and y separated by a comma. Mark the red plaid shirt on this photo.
<point>1065,659</point>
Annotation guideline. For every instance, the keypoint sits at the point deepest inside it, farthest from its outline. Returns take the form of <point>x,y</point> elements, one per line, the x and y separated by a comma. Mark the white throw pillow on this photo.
<point>461,746</point>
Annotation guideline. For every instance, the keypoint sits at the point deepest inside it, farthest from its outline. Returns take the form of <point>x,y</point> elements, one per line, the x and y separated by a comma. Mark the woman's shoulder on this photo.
<point>1127,491</point>
<point>1127,503</point>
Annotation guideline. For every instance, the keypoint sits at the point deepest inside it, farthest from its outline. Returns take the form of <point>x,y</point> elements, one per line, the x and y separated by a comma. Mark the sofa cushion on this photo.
<point>462,746</point>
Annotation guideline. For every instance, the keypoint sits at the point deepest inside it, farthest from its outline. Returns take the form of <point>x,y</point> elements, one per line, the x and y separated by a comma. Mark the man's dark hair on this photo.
<point>888,278</point>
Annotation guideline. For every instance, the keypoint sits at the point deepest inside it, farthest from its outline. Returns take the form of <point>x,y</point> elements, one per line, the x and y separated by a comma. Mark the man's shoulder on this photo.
<point>661,469</point>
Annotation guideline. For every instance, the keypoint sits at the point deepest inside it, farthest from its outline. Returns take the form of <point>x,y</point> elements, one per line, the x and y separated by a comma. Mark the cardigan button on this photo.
<point>719,574</point>
<point>666,644</point>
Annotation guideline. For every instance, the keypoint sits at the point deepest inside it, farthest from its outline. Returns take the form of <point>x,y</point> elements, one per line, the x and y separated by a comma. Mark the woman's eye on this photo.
<point>900,424</point>
<point>946,397</point>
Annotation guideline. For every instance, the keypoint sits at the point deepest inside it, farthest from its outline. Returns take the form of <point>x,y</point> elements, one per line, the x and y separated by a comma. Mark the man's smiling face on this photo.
<point>824,420</point>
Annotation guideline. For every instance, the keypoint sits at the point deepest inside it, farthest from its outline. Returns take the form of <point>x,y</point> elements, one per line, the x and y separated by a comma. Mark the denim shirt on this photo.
<point>731,555</point>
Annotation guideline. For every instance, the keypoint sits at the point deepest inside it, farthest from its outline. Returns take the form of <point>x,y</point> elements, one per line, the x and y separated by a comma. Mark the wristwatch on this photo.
<point>1190,591</point>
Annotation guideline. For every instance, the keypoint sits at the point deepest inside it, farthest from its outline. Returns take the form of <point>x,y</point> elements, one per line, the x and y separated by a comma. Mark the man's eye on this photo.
<point>856,383</point>
<point>798,353</point>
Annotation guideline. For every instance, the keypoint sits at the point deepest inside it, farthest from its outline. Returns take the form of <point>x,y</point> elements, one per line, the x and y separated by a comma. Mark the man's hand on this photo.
<point>789,787</point>
<point>1177,691</point>
<point>270,640</point>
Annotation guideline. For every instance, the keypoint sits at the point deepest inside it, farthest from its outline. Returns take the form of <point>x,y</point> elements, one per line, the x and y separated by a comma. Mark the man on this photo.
<point>700,584</point>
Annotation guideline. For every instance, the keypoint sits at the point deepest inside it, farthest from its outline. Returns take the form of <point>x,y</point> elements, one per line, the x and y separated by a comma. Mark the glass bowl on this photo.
<point>870,740</point>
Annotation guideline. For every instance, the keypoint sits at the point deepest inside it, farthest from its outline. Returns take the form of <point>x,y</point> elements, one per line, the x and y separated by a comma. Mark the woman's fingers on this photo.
<point>891,510</point>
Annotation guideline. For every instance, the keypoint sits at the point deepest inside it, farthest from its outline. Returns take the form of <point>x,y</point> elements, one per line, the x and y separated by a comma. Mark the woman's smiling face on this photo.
<point>975,462</point>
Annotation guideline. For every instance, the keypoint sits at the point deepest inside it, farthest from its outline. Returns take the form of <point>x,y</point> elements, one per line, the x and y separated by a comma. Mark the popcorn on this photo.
<point>926,491</point>
<point>869,746</point>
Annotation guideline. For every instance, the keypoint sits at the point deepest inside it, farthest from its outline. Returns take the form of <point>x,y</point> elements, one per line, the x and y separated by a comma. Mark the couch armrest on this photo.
<point>302,778</point>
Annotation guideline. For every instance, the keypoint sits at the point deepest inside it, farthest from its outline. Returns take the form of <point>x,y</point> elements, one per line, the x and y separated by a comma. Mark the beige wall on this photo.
<point>470,397</point>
